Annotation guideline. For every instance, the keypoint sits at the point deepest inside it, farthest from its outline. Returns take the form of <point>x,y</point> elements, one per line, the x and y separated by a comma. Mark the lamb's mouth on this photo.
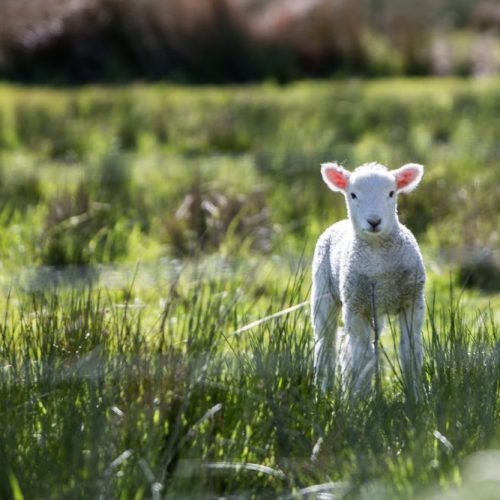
<point>373,230</point>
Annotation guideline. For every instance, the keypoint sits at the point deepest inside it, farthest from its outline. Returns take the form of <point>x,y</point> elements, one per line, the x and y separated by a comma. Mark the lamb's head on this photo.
<point>371,193</point>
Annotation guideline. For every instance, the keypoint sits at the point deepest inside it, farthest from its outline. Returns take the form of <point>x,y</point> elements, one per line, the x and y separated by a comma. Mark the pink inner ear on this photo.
<point>405,177</point>
<point>337,178</point>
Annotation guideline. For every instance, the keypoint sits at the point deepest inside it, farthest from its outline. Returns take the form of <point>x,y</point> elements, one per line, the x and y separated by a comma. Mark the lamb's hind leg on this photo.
<point>324,311</point>
<point>411,320</point>
<point>358,354</point>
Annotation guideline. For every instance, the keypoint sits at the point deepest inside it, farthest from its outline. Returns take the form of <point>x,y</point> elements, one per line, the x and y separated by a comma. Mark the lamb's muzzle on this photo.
<point>374,222</point>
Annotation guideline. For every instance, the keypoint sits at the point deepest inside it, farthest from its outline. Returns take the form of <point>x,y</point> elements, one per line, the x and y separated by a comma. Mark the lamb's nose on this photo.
<point>374,222</point>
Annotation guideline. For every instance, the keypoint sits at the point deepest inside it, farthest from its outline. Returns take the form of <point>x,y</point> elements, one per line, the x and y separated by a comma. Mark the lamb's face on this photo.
<point>371,202</point>
<point>371,192</point>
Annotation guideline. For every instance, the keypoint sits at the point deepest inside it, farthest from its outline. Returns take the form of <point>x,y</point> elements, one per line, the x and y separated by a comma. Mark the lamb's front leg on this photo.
<point>411,320</point>
<point>325,311</point>
<point>358,353</point>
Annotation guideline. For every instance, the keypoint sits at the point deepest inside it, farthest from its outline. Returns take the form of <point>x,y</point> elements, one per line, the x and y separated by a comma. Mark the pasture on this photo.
<point>144,228</point>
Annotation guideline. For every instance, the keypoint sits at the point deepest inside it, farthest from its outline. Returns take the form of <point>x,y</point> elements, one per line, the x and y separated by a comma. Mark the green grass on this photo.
<point>98,400</point>
<point>142,228</point>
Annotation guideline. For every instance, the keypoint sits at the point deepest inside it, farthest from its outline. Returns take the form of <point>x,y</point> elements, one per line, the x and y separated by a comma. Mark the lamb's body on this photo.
<point>392,265</point>
<point>361,274</point>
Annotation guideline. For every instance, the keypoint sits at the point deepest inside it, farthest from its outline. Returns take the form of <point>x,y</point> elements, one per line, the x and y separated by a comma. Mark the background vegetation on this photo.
<point>143,227</point>
<point>111,174</point>
<point>76,41</point>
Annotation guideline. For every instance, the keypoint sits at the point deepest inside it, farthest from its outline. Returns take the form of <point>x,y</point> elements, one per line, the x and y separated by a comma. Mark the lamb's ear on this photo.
<point>408,177</point>
<point>335,176</point>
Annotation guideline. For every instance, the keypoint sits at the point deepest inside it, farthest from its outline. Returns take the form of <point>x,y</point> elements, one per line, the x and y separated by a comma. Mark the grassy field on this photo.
<point>143,228</point>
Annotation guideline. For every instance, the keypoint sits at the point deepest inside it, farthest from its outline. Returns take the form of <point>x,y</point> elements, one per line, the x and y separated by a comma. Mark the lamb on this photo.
<point>368,266</point>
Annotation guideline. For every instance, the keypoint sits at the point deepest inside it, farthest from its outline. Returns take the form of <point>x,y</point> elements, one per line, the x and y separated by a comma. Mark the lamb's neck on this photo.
<point>379,242</point>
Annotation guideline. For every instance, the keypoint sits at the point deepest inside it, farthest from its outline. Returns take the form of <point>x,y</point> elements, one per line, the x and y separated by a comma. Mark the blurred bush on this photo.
<point>242,40</point>
<point>208,220</point>
<point>479,268</point>
<point>20,188</point>
<point>79,231</point>
<point>92,224</point>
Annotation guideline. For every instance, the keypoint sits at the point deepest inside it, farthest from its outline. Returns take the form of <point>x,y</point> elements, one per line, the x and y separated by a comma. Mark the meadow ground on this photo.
<point>143,227</point>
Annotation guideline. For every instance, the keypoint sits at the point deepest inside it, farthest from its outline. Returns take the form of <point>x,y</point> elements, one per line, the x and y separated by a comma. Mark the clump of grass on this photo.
<point>90,225</point>
<point>80,231</point>
<point>20,188</point>
<point>207,220</point>
<point>479,269</point>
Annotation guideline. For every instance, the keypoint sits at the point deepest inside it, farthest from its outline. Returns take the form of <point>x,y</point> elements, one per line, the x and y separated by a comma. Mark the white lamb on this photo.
<point>369,262</point>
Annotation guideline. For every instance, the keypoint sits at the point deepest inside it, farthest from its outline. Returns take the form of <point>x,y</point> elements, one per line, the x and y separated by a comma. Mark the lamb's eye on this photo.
<point>353,196</point>
<point>391,194</point>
